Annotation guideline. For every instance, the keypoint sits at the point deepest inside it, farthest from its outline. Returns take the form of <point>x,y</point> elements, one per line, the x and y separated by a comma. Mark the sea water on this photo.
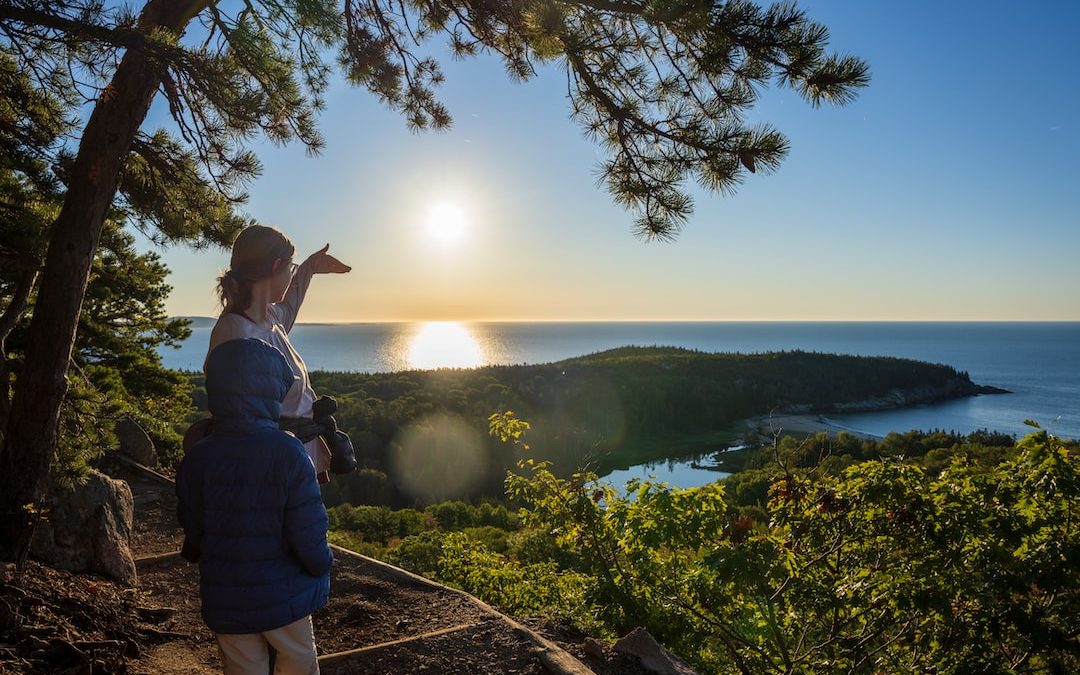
<point>1038,362</point>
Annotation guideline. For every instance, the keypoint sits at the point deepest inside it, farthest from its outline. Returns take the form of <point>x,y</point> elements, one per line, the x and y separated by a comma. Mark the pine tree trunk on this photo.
<point>26,455</point>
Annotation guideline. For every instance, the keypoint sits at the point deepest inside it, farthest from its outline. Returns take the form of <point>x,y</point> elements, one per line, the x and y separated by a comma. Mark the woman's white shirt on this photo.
<point>274,329</point>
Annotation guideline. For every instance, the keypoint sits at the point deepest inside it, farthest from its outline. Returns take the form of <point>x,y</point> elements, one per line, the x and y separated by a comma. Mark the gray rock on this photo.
<point>651,654</point>
<point>89,529</point>
<point>902,398</point>
<point>135,443</point>
<point>593,648</point>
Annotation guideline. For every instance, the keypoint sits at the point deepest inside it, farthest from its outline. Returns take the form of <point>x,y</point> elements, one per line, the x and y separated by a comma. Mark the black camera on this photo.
<point>342,455</point>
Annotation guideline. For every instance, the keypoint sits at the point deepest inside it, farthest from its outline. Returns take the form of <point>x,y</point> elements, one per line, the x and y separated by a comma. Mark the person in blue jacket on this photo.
<point>253,517</point>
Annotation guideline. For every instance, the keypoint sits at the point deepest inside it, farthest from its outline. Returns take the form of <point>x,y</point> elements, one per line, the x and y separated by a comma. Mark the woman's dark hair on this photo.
<point>254,252</point>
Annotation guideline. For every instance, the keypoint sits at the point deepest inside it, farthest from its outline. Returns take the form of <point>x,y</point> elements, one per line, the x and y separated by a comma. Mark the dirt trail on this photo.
<point>380,619</point>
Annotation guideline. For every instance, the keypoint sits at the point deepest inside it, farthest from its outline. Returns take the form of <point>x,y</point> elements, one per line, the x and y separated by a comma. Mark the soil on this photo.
<point>368,608</point>
<point>155,529</point>
<point>378,620</point>
<point>58,622</point>
<point>490,647</point>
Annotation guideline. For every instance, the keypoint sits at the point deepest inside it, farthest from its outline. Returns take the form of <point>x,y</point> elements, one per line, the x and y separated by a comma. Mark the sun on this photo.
<point>446,222</point>
<point>444,344</point>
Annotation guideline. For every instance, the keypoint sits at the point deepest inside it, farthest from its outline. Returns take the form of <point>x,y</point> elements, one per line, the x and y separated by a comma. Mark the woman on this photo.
<point>261,294</point>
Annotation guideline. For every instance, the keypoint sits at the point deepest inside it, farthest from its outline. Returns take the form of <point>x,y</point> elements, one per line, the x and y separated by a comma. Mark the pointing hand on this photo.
<point>324,263</point>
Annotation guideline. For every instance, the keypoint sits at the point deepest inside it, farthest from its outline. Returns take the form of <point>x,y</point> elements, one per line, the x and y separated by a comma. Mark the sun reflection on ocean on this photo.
<point>444,344</point>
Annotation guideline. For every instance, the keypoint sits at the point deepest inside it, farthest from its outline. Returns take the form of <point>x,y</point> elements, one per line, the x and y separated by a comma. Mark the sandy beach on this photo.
<point>768,425</point>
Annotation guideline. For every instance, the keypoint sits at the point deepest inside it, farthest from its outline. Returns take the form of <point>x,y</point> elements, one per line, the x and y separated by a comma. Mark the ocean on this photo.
<point>1038,362</point>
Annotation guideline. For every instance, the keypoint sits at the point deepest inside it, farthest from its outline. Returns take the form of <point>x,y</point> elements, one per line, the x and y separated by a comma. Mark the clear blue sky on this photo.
<point>949,190</point>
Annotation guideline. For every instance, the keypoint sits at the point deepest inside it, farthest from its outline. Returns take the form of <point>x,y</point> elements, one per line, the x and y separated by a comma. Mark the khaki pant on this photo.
<point>249,654</point>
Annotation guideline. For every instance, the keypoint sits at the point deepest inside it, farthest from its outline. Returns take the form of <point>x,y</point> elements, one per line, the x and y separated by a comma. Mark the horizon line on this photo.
<point>347,322</point>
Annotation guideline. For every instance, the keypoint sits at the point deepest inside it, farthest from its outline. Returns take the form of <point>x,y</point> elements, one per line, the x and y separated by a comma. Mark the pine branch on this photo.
<point>20,297</point>
<point>68,28</point>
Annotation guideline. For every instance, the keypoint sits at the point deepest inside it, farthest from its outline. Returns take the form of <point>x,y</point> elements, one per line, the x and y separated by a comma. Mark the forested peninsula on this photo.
<point>603,411</point>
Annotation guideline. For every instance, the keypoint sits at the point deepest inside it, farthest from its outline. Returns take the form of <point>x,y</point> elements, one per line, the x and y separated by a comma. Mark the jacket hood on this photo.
<point>246,380</point>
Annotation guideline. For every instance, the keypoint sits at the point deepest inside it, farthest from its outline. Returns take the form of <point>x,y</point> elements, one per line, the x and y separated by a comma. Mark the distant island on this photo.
<point>611,409</point>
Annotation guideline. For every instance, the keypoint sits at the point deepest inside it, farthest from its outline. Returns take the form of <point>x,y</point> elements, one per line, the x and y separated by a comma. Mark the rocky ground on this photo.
<point>379,620</point>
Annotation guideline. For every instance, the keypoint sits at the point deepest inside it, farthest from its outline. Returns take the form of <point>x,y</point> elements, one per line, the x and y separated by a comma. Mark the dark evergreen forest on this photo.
<point>603,411</point>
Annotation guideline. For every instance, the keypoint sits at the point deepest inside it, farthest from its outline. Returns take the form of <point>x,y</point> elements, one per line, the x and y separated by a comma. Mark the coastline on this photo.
<point>770,425</point>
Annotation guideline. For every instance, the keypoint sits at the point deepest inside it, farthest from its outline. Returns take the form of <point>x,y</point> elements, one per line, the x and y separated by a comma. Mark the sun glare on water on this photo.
<point>444,344</point>
<point>446,222</point>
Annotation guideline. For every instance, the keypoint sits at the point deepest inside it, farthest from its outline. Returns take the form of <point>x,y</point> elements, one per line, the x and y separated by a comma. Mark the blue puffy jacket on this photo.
<point>249,501</point>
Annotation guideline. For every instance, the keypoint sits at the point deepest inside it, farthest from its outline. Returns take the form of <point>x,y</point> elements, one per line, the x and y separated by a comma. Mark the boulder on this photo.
<point>651,654</point>
<point>89,529</point>
<point>135,443</point>
<point>593,648</point>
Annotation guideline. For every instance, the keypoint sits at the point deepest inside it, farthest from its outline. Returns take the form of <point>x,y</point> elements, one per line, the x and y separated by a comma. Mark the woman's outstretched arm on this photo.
<point>319,262</point>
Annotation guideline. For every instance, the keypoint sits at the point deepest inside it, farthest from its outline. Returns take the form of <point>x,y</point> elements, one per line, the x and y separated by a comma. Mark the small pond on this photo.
<point>685,472</point>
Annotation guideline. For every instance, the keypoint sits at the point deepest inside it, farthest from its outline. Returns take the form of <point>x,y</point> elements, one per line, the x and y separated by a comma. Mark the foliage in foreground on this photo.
<point>882,568</point>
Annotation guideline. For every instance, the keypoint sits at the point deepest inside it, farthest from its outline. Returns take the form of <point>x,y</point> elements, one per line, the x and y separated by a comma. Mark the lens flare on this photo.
<point>438,458</point>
